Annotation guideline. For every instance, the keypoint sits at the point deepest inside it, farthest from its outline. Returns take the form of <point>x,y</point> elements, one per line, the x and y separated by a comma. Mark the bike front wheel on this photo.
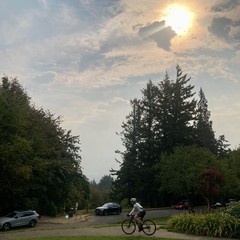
<point>149,227</point>
<point>128,226</point>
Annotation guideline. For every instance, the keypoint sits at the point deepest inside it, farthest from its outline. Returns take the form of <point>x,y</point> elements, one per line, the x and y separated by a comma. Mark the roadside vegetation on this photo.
<point>222,223</point>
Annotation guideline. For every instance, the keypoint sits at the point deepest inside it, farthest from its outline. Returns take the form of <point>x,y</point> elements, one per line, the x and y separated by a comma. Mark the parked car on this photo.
<point>216,205</point>
<point>108,208</point>
<point>182,205</point>
<point>19,218</point>
<point>229,201</point>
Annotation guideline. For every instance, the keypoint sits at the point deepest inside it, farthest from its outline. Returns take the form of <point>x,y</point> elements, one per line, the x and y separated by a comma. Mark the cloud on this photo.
<point>226,23</point>
<point>159,33</point>
<point>221,27</point>
<point>225,5</point>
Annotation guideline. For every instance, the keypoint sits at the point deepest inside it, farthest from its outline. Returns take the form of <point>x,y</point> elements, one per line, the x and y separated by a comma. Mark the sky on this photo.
<point>85,60</point>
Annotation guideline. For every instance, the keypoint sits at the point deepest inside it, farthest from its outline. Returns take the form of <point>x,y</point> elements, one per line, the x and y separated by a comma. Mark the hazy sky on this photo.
<point>85,60</point>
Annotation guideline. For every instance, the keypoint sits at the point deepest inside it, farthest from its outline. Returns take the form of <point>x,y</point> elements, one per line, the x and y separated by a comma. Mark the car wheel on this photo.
<point>6,226</point>
<point>118,212</point>
<point>105,213</point>
<point>32,223</point>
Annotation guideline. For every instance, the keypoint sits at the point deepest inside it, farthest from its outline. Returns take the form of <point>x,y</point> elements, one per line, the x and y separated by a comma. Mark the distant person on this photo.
<point>138,212</point>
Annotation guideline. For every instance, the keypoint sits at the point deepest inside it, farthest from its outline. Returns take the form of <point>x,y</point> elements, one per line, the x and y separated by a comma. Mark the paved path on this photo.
<point>94,231</point>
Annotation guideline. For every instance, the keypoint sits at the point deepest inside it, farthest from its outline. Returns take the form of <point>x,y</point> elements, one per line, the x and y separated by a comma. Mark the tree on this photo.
<point>102,192</point>
<point>205,136</point>
<point>163,127</point>
<point>231,169</point>
<point>222,147</point>
<point>128,180</point>
<point>41,161</point>
<point>166,117</point>
<point>209,183</point>
<point>176,107</point>
<point>105,182</point>
<point>183,110</point>
<point>178,172</point>
<point>148,146</point>
<point>15,148</point>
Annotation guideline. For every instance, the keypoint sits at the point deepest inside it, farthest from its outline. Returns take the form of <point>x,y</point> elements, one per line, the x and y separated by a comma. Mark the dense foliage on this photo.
<point>101,192</point>
<point>40,161</point>
<point>169,144</point>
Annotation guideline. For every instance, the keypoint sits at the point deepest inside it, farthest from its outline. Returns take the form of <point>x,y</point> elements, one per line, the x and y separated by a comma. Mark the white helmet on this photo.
<point>133,200</point>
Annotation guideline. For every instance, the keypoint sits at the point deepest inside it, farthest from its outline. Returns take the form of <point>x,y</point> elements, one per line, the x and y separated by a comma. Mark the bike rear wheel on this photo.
<point>128,226</point>
<point>149,227</point>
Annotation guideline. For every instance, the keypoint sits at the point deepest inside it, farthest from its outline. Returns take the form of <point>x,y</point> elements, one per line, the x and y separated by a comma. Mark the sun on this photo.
<point>179,18</point>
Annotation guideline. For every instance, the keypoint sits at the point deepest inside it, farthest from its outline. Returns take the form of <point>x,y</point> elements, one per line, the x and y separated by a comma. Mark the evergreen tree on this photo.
<point>205,136</point>
<point>183,111</point>
<point>149,149</point>
<point>163,127</point>
<point>127,180</point>
<point>222,147</point>
<point>105,182</point>
<point>176,112</point>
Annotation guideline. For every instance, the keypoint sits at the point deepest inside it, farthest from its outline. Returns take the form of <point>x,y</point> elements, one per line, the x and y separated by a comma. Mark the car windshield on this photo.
<point>106,205</point>
<point>11,215</point>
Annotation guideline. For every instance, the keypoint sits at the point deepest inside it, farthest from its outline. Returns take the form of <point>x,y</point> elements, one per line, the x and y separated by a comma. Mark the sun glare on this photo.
<point>179,18</point>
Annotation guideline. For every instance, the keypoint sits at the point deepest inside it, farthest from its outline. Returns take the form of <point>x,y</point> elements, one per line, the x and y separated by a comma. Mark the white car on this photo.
<point>19,218</point>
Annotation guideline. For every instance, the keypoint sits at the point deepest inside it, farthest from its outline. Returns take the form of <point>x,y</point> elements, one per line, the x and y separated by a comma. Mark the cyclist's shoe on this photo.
<point>140,227</point>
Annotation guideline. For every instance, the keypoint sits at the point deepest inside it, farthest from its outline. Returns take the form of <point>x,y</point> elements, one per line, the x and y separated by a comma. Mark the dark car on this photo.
<point>181,205</point>
<point>108,208</point>
<point>229,202</point>
<point>19,218</point>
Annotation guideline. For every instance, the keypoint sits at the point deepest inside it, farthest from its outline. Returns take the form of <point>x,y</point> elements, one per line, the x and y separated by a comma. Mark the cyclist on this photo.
<point>138,211</point>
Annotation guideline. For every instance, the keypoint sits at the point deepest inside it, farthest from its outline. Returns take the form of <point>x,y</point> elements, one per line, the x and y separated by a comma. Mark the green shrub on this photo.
<point>211,224</point>
<point>233,209</point>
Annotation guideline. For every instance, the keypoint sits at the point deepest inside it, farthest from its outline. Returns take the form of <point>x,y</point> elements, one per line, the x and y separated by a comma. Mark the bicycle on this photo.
<point>129,226</point>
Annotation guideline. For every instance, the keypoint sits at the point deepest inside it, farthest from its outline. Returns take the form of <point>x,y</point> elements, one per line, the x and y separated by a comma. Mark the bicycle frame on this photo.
<point>129,226</point>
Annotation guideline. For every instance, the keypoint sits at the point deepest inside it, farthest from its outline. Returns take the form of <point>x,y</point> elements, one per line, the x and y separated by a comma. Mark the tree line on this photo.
<point>171,152</point>
<point>40,161</point>
<point>170,148</point>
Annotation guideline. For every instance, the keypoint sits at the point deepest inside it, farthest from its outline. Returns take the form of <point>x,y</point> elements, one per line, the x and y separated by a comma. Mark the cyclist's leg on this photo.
<point>138,220</point>
<point>140,216</point>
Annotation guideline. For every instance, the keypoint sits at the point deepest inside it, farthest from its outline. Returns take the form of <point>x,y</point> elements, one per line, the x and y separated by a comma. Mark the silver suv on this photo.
<point>19,218</point>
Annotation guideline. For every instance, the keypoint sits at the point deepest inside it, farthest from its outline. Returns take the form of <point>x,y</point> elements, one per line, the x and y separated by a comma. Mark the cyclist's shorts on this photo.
<point>142,213</point>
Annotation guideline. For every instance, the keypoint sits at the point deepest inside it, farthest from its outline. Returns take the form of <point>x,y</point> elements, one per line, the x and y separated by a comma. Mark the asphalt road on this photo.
<point>93,220</point>
<point>99,220</point>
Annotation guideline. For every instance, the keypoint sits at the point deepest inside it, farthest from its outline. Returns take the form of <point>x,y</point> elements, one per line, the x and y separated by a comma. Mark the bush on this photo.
<point>233,209</point>
<point>211,224</point>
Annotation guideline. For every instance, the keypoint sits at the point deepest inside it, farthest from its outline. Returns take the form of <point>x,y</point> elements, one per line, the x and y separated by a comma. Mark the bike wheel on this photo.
<point>128,226</point>
<point>149,227</point>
